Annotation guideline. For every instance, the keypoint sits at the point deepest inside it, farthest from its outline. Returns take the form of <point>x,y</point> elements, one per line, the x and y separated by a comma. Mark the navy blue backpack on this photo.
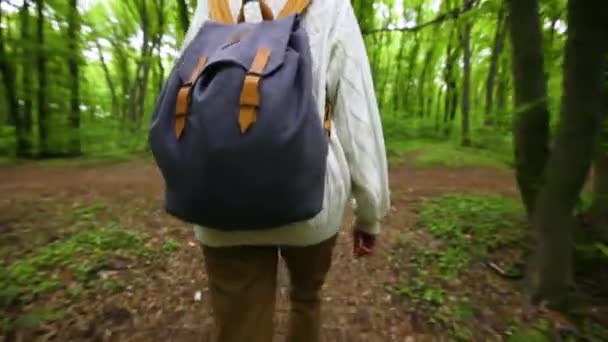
<point>236,132</point>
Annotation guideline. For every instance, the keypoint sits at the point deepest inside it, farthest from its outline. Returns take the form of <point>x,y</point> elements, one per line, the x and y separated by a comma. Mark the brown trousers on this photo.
<point>243,282</point>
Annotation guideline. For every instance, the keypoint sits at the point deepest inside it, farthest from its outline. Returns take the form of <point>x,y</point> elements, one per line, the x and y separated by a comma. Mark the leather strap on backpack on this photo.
<point>219,10</point>
<point>183,98</point>
<point>293,6</point>
<point>250,95</point>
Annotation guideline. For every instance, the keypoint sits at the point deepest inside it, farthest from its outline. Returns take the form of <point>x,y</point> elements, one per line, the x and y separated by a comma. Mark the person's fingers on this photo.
<point>362,250</point>
<point>363,243</point>
<point>365,250</point>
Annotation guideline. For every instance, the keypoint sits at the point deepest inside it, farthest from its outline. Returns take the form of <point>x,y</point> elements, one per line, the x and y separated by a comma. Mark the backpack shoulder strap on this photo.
<point>293,6</point>
<point>219,10</point>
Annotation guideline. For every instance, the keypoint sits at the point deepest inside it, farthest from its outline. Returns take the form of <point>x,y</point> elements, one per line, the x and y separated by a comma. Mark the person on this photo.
<point>242,265</point>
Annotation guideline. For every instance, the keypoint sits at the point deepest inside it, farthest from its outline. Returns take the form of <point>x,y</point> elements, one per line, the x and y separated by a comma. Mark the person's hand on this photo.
<point>363,243</point>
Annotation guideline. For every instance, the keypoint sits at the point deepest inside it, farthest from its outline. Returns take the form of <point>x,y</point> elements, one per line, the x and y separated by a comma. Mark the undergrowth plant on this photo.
<point>73,263</point>
<point>465,228</point>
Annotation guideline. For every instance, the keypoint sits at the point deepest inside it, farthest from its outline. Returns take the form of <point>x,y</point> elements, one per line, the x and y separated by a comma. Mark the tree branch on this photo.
<point>450,15</point>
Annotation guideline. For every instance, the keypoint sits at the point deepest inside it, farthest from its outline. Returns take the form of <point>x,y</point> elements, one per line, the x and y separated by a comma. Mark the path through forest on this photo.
<point>156,301</point>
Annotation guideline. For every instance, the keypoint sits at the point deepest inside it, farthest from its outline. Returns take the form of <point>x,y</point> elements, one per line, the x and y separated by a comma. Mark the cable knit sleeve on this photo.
<point>357,119</point>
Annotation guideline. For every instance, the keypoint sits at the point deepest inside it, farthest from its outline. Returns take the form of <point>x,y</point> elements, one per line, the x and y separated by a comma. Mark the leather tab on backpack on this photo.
<point>181,109</point>
<point>250,94</point>
<point>247,117</point>
<point>198,69</point>
<point>183,98</point>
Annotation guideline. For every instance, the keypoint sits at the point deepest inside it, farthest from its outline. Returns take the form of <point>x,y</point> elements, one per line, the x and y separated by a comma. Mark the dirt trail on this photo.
<point>159,303</point>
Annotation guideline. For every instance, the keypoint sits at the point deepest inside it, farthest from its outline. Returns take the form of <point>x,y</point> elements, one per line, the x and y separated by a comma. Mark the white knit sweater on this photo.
<point>357,162</point>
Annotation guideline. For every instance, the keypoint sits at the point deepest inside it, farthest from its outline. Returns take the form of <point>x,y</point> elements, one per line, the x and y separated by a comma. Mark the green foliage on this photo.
<point>120,74</point>
<point>31,318</point>
<point>584,203</point>
<point>449,155</point>
<point>81,255</point>
<point>170,246</point>
<point>544,331</point>
<point>463,230</point>
<point>466,227</point>
<point>7,140</point>
<point>539,333</point>
<point>591,253</point>
<point>428,153</point>
<point>593,331</point>
<point>470,225</point>
<point>114,286</point>
<point>602,248</point>
<point>87,213</point>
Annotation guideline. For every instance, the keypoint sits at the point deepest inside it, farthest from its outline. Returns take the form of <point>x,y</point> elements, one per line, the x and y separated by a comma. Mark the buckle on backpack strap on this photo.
<point>183,98</point>
<point>250,93</point>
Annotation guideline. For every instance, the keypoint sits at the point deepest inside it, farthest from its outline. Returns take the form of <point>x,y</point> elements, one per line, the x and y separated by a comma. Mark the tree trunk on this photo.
<point>403,100</point>
<point>161,69</point>
<point>569,164</point>
<point>74,54</point>
<point>422,80</point>
<point>502,89</point>
<point>387,62</point>
<point>143,91</point>
<point>599,208</point>
<point>108,76</point>
<point>43,112</point>
<point>397,79</point>
<point>27,76</point>
<point>149,57</point>
<point>466,83</point>
<point>451,96</point>
<point>139,84</point>
<point>364,10</point>
<point>496,53</point>
<point>438,110</point>
<point>375,60</point>
<point>531,120</point>
<point>125,79</point>
<point>7,70</point>
<point>406,97</point>
<point>447,79</point>
<point>184,20</point>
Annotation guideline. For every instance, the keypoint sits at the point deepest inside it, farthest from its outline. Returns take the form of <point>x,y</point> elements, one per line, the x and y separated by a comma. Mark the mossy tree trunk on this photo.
<point>531,117</point>
<point>574,149</point>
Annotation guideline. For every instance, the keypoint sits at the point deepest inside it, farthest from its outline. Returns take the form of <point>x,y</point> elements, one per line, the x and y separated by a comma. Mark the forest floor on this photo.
<point>88,254</point>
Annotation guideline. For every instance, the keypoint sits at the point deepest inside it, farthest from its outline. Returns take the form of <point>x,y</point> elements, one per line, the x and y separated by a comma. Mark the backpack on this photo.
<point>235,131</point>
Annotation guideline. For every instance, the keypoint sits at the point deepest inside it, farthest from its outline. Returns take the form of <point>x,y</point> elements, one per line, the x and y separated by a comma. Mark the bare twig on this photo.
<point>501,272</point>
<point>450,15</point>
